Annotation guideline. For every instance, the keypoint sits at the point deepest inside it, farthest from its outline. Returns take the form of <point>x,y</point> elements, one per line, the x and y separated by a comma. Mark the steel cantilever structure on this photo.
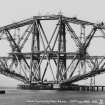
<point>51,51</point>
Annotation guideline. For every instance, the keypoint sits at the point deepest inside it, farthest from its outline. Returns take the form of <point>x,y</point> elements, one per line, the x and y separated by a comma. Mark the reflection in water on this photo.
<point>51,97</point>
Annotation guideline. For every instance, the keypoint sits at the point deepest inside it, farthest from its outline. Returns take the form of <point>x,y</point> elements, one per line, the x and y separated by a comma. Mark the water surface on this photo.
<point>51,97</point>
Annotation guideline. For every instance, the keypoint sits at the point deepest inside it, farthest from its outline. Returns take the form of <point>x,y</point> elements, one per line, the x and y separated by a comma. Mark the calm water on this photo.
<point>51,97</point>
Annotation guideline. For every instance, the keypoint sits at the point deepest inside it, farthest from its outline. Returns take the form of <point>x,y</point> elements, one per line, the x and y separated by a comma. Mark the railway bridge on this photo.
<point>51,49</point>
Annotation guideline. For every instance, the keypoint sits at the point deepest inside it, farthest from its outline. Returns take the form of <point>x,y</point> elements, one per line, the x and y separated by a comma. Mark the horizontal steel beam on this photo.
<point>77,21</point>
<point>49,17</point>
<point>43,52</point>
<point>54,55</point>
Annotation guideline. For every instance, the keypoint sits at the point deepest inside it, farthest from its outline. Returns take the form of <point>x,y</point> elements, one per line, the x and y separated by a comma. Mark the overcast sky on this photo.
<point>15,10</point>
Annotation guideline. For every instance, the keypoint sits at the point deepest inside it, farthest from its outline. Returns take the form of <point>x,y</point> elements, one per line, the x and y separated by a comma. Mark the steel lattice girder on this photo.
<point>55,17</point>
<point>61,55</point>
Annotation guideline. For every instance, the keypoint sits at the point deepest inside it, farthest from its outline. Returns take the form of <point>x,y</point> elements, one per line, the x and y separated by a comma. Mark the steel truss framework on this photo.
<point>48,49</point>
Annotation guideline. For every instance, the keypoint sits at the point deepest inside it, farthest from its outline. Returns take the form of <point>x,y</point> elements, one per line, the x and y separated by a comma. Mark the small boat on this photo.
<point>2,91</point>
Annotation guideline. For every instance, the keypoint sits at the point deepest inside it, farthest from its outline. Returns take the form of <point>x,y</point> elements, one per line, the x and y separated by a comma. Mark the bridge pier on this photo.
<point>97,88</point>
<point>102,89</point>
<point>88,88</point>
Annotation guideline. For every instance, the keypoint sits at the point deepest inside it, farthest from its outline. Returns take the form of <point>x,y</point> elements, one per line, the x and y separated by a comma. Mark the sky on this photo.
<point>15,10</point>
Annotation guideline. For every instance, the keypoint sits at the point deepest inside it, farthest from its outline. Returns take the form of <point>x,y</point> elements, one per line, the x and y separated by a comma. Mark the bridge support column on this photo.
<point>35,59</point>
<point>61,64</point>
<point>102,88</point>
